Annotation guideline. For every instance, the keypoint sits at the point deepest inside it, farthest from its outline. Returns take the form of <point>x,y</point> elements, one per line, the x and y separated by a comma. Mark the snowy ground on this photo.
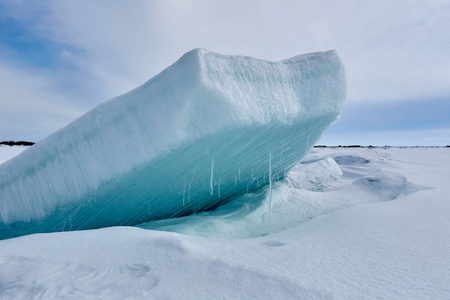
<point>346,224</point>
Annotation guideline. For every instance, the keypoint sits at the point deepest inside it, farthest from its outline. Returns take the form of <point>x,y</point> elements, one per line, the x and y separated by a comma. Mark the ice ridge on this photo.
<point>194,136</point>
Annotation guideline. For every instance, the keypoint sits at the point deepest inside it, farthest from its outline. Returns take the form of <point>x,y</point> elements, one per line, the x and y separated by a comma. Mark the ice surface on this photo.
<point>162,149</point>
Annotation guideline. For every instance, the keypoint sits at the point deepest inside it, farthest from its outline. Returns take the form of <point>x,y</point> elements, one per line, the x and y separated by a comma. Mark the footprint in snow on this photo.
<point>273,244</point>
<point>138,270</point>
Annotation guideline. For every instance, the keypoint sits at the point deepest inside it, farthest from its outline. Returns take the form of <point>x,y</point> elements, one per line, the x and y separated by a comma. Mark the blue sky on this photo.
<point>58,59</point>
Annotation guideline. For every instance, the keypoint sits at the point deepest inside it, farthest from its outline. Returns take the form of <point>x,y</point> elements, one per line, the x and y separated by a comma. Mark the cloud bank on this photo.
<point>58,59</point>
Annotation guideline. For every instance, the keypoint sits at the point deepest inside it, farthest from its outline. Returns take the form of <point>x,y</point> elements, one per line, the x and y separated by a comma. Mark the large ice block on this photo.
<point>196,135</point>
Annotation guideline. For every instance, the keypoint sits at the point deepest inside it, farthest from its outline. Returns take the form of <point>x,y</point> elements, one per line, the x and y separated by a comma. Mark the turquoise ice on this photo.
<point>191,138</point>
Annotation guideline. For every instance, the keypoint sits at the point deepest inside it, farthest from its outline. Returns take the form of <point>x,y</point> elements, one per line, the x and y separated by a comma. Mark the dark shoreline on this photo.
<point>25,143</point>
<point>16,143</point>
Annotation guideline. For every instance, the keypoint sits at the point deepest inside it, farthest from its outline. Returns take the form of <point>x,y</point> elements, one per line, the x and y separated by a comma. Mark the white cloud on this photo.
<point>392,50</point>
<point>106,49</point>
<point>31,106</point>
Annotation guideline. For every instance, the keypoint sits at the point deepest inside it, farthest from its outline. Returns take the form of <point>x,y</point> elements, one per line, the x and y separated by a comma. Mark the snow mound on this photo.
<point>200,133</point>
<point>387,185</point>
<point>350,160</point>
<point>314,175</point>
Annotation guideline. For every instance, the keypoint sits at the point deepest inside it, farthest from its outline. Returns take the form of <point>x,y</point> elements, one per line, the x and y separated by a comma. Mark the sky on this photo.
<point>59,58</point>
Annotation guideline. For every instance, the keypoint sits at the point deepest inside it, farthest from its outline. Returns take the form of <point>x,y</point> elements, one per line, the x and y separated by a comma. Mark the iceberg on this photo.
<point>195,136</point>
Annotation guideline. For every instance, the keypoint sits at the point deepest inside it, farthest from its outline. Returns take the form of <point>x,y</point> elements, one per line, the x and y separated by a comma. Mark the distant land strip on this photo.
<point>18,143</point>
<point>25,143</point>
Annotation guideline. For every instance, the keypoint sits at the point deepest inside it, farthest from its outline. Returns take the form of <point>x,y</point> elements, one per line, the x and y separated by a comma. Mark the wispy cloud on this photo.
<point>392,50</point>
<point>32,105</point>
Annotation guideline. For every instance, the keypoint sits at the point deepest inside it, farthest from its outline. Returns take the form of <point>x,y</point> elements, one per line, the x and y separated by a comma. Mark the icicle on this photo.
<point>307,143</point>
<point>270,184</point>
<point>239,171</point>
<point>211,181</point>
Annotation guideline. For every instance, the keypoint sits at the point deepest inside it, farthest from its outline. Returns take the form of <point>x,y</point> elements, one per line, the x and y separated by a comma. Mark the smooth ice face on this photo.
<point>196,135</point>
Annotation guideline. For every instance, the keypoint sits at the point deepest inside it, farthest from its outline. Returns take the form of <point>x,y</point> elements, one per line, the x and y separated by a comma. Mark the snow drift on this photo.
<point>201,132</point>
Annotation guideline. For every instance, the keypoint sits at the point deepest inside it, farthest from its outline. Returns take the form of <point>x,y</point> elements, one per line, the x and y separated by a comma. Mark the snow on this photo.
<point>206,119</point>
<point>368,247</point>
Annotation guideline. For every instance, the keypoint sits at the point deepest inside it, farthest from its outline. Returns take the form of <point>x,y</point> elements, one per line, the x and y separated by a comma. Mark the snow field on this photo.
<point>375,249</point>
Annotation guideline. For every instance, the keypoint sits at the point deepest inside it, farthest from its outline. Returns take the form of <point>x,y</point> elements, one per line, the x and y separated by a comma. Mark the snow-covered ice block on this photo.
<point>196,135</point>
<point>314,174</point>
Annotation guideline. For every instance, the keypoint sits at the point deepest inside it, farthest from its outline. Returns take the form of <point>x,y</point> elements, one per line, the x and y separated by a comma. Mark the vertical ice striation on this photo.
<point>270,184</point>
<point>135,157</point>
<point>211,181</point>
